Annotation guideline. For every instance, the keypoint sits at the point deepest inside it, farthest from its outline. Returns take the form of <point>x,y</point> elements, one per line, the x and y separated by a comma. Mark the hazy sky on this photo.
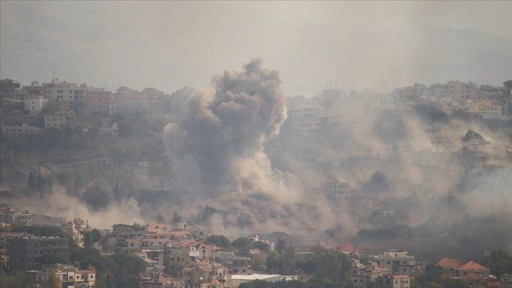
<point>166,45</point>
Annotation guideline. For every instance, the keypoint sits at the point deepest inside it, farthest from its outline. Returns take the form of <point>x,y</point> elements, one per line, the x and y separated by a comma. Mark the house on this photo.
<point>393,281</point>
<point>473,274</point>
<point>449,265</point>
<point>506,280</point>
<point>70,276</point>
<point>472,268</point>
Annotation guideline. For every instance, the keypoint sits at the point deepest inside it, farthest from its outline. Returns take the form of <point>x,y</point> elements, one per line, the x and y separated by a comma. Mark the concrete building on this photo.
<point>34,104</point>
<point>460,91</point>
<point>62,91</point>
<point>338,189</point>
<point>24,252</point>
<point>393,281</point>
<point>24,218</point>
<point>4,246</point>
<point>398,261</point>
<point>506,281</point>
<point>24,129</point>
<point>108,128</point>
<point>98,101</point>
<point>70,276</point>
<point>61,119</point>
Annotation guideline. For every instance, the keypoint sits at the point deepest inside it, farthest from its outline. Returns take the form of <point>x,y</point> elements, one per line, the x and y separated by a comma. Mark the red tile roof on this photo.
<point>473,266</point>
<point>448,263</point>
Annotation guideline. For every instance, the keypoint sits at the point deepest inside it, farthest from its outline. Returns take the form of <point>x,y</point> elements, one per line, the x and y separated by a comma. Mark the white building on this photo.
<point>69,275</point>
<point>393,281</point>
<point>107,129</point>
<point>34,104</point>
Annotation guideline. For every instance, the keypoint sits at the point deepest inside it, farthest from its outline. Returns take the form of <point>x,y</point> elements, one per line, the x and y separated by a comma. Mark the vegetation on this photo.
<point>434,277</point>
<point>499,262</point>
<point>219,240</point>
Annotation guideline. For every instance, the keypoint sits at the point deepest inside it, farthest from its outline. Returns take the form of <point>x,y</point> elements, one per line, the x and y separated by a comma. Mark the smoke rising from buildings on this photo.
<point>217,152</point>
<point>220,142</point>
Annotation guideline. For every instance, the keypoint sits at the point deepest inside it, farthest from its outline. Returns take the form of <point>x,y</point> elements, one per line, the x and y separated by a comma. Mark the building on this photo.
<point>25,252</point>
<point>338,189</point>
<point>484,109</point>
<point>8,86</point>
<point>4,246</point>
<point>70,276</point>
<point>61,119</point>
<point>393,281</point>
<point>472,268</point>
<point>460,91</point>
<point>7,215</point>
<point>506,280</point>
<point>66,92</point>
<point>98,101</point>
<point>24,218</point>
<point>398,261</point>
<point>237,280</point>
<point>24,129</point>
<point>449,265</point>
<point>108,128</point>
<point>34,104</point>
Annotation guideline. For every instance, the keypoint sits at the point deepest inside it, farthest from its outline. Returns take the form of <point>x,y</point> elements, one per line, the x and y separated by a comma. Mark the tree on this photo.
<point>128,270</point>
<point>499,262</point>
<point>327,265</point>
<point>281,245</point>
<point>219,240</point>
<point>242,243</point>
<point>261,245</point>
<point>53,259</point>
<point>53,280</point>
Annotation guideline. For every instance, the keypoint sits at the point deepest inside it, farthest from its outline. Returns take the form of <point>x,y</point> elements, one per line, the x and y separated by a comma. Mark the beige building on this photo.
<point>63,91</point>
<point>61,119</point>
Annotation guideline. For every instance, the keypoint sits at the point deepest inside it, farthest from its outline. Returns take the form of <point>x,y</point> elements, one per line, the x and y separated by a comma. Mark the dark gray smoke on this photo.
<point>225,130</point>
<point>217,149</point>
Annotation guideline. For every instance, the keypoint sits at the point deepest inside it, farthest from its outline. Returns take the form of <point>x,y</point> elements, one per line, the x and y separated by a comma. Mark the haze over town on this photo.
<point>377,125</point>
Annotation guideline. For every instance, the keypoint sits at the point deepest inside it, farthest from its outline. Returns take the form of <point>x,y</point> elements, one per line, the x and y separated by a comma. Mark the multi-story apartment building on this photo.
<point>460,91</point>
<point>34,104</point>
<point>24,129</point>
<point>60,119</point>
<point>66,91</point>
<point>25,252</point>
<point>398,261</point>
<point>98,101</point>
